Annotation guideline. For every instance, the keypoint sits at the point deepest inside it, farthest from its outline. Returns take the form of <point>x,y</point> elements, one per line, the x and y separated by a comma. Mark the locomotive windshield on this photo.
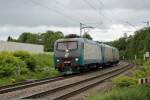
<point>67,45</point>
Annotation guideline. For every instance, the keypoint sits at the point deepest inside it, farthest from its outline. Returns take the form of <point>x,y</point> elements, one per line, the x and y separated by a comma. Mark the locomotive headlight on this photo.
<point>58,60</point>
<point>76,59</point>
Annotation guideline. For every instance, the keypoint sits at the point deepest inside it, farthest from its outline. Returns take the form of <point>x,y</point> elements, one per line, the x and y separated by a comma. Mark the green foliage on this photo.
<point>11,39</point>
<point>10,65</point>
<point>28,38</point>
<point>47,39</point>
<point>143,71</point>
<point>137,44</point>
<point>22,54</point>
<point>72,36</point>
<point>18,66</point>
<point>88,36</point>
<point>124,81</point>
<point>44,60</point>
<point>140,72</point>
<point>27,58</point>
<point>128,93</point>
<point>44,73</point>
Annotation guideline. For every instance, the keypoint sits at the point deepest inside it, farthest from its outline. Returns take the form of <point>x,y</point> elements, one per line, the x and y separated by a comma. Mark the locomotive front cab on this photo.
<point>67,56</point>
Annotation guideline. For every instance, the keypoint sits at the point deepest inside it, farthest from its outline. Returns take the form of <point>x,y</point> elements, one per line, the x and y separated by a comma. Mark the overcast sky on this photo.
<point>109,17</point>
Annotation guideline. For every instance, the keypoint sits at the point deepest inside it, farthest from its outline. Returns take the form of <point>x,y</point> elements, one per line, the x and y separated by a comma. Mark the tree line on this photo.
<point>47,38</point>
<point>134,45</point>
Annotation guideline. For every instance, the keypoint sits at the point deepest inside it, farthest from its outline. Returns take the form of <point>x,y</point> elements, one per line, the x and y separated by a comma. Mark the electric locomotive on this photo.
<point>72,55</point>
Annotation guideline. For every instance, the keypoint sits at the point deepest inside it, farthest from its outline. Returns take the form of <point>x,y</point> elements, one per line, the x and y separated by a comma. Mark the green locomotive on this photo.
<point>72,55</point>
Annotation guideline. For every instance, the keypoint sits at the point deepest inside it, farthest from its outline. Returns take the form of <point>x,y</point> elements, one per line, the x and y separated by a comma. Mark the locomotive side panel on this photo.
<point>92,53</point>
<point>107,54</point>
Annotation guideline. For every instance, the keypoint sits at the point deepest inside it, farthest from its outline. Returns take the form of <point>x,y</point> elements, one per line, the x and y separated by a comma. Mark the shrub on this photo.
<point>147,63</point>
<point>21,65</point>
<point>44,60</point>
<point>10,65</point>
<point>27,58</point>
<point>124,81</point>
<point>143,71</point>
<point>128,93</point>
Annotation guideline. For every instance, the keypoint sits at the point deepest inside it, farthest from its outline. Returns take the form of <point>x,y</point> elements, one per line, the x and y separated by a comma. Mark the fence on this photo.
<point>144,80</point>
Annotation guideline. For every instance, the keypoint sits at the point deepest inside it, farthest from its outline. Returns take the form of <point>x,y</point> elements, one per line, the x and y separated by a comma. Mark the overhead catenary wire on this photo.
<point>99,12</point>
<point>76,14</point>
<point>102,4</point>
<point>131,25</point>
<point>69,18</point>
<point>122,21</point>
<point>56,11</point>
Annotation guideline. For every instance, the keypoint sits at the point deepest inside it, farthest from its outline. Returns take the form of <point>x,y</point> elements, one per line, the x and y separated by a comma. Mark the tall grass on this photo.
<point>128,93</point>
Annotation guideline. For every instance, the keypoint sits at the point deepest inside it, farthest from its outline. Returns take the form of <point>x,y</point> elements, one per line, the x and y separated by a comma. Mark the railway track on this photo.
<point>22,85</point>
<point>28,84</point>
<point>70,89</point>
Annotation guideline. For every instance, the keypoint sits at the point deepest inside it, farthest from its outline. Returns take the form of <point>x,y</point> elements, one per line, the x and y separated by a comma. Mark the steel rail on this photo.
<point>72,85</point>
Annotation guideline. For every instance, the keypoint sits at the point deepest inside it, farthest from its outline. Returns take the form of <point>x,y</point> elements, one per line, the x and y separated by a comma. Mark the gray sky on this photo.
<point>109,17</point>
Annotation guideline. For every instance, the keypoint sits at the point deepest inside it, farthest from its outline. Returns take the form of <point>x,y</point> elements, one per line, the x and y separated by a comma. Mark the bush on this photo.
<point>21,65</point>
<point>27,58</point>
<point>124,81</point>
<point>143,71</point>
<point>10,65</point>
<point>44,60</point>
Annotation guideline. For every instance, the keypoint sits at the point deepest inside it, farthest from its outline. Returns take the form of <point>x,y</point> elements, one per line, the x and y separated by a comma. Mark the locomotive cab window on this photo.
<point>67,45</point>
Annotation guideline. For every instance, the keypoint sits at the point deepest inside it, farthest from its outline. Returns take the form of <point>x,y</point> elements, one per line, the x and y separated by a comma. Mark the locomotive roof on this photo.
<point>84,40</point>
<point>70,39</point>
<point>77,39</point>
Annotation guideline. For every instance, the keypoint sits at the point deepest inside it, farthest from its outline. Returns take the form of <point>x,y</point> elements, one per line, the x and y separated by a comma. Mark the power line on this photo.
<point>54,10</point>
<point>64,6</point>
<point>100,2</point>
<point>131,25</point>
<point>87,2</point>
<point>94,8</point>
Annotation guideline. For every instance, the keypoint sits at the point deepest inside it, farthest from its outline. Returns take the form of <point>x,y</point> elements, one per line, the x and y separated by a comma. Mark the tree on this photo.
<point>86,35</point>
<point>47,39</point>
<point>28,37</point>
<point>72,36</point>
<point>10,38</point>
<point>137,44</point>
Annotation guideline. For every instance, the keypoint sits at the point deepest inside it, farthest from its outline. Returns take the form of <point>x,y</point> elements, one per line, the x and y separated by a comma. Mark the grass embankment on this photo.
<point>21,66</point>
<point>126,87</point>
<point>127,93</point>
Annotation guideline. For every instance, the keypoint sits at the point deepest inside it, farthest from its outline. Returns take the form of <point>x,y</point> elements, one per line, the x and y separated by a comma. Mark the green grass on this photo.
<point>128,93</point>
<point>44,68</point>
<point>127,87</point>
